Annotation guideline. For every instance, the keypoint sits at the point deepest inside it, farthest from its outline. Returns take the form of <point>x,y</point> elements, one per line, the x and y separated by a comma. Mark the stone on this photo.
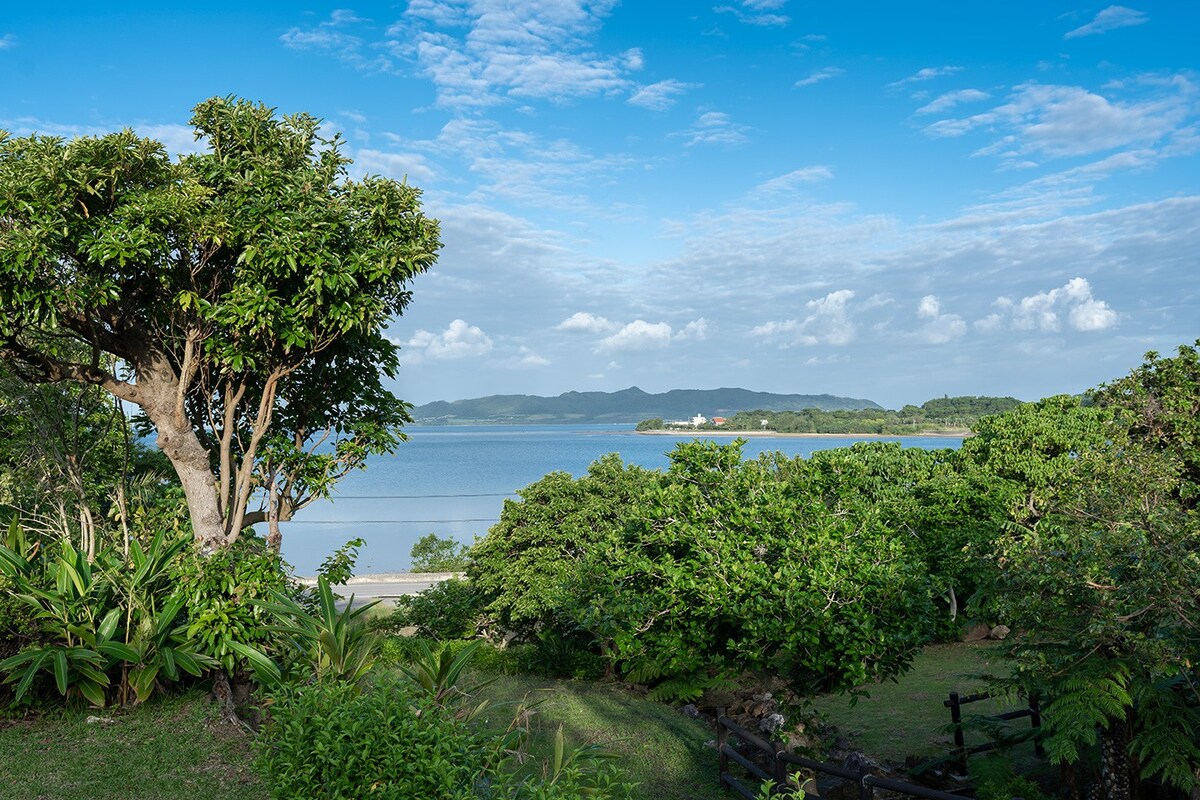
<point>690,711</point>
<point>999,632</point>
<point>977,632</point>
<point>771,723</point>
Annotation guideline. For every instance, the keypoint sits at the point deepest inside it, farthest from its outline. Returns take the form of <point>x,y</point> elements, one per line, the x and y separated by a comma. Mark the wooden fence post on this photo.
<point>722,759</point>
<point>960,742</point>
<point>1035,719</point>
<point>781,769</point>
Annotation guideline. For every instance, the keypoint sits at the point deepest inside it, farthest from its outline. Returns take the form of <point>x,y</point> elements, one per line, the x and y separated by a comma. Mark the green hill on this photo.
<point>627,405</point>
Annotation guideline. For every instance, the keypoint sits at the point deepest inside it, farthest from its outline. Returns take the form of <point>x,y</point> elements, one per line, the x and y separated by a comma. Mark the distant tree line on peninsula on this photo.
<point>939,414</point>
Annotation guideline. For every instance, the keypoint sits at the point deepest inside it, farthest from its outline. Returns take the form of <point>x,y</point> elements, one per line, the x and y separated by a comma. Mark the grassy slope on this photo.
<point>660,749</point>
<point>175,747</point>
<point>907,717</point>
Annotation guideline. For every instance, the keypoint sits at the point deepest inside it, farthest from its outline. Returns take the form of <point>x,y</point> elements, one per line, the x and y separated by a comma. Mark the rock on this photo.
<point>690,711</point>
<point>93,720</point>
<point>977,632</point>
<point>999,632</point>
<point>771,723</point>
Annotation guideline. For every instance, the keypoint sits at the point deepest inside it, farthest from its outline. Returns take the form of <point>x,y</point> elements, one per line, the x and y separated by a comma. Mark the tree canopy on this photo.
<point>238,297</point>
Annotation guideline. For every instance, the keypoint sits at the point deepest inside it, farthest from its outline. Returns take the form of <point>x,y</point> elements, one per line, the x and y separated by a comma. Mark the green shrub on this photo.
<point>18,622</point>
<point>432,553</point>
<point>218,591</point>
<point>328,742</point>
<point>447,610</point>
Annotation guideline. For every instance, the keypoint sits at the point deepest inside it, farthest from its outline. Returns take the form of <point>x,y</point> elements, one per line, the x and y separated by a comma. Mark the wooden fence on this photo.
<point>781,764</point>
<point>961,751</point>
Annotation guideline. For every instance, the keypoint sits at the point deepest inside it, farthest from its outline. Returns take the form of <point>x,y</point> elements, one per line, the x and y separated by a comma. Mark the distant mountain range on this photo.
<point>627,405</point>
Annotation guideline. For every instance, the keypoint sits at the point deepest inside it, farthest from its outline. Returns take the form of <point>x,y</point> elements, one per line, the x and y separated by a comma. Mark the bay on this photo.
<point>453,481</point>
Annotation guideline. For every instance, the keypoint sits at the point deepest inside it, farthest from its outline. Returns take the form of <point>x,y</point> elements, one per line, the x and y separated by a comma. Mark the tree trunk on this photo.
<point>1114,760</point>
<point>178,442</point>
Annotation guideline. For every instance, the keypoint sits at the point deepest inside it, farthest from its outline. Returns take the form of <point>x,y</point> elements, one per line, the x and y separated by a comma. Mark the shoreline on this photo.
<point>775,434</point>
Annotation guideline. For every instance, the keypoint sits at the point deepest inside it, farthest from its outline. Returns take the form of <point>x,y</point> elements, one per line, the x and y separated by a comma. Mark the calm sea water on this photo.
<point>453,480</point>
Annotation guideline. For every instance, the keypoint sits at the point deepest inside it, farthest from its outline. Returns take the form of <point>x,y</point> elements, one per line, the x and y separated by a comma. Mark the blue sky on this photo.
<point>882,200</point>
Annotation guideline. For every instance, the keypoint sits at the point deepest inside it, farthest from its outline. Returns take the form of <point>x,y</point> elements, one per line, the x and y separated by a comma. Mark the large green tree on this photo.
<point>238,297</point>
<point>1099,567</point>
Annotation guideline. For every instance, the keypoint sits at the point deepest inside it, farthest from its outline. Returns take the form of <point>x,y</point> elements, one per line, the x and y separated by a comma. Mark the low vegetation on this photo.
<point>942,415</point>
<point>237,297</point>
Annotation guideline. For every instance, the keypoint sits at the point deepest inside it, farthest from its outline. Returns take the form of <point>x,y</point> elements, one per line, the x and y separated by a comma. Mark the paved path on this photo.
<point>389,586</point>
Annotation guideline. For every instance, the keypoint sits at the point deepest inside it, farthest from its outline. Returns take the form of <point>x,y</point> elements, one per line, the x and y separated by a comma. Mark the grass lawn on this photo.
<point>661,750</point>
<point>906,717</point>
<point>177,747</point>
<point>171,747</point>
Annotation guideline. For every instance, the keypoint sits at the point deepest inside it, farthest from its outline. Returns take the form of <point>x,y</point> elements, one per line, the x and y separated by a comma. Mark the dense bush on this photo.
<point>431,553</point>
<point>328,741</point>
<point>528,566</point>
<point>220,591</point>
<point>449,609</point>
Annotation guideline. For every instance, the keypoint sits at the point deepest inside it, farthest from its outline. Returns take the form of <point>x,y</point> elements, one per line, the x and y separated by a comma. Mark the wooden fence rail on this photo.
<point>780,766</point>
<point>955,704</point>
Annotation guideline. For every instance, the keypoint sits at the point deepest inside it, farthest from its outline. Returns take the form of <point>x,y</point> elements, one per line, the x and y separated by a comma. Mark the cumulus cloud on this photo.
<point>524,358</point>
<point>926,74</point>
<point>940,328</point>
<point>459,340</point>
<point>827,322</point>
<point>584,322</point>
<point>820,75</point>
<point>7,41</point>
<point>1046,311</point>
<point>949,100</point>
<point>660,96</point>
<point>638,335</point>
<point>696,331</point>
<point>1107,20</point>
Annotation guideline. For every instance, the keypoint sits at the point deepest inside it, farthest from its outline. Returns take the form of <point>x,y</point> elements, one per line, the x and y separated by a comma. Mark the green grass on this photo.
<point>173,747</point>
<point>177,746</point>
<point>906,717</point>
<point>661,750</point>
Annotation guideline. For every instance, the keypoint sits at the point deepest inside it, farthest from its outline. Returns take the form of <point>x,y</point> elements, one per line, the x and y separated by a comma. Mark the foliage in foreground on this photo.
<point>246,286</point>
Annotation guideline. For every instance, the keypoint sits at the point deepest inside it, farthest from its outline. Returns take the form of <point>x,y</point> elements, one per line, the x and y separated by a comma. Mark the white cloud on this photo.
<point>823,74</point>
<point>660,96</point>
<point>1060,121</point>
<point>791,180</point>
<point>941,328</point>
<point>715,127</point>
<point>828,322</point>
<point>331,37</point>
<point>1044,311</point>
<point>524,358</point>
<point>459,340</point>
<point>949,100</point>
<point>926,74</point>
<point>638,335</point>
<point>7,41</point>
<point>487,51</point>
<point>394,165</point>
<point>178,139</point>
<point>757,12</point>
<point>1109,19</point>
<point>584,322</point>
<point>695,331</point>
